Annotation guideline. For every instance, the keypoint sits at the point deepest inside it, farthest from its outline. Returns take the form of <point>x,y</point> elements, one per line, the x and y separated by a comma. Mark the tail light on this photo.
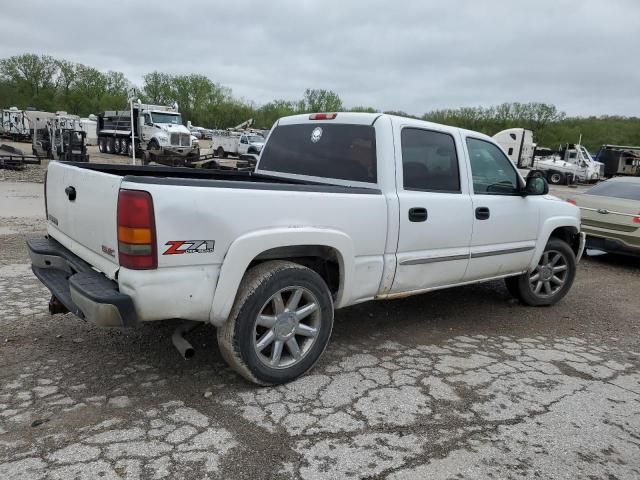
<point>46,207</point>
<point>636,219</point>
<point>572,201</point>
<point>322,116</point>
<point>136,230</point>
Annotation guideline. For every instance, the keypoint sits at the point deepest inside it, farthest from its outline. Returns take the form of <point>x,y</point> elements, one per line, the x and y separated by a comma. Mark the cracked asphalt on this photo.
<point>462,383</point>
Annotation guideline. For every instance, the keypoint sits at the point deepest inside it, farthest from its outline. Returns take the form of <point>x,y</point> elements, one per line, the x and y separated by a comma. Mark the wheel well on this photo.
<point>568,235</point>
<point>323,260</point>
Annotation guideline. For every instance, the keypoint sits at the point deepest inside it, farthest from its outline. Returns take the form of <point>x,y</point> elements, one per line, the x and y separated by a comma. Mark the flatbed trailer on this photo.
<point>17,162</point>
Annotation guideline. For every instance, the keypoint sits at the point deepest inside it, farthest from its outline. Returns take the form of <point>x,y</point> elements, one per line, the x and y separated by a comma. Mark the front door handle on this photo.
<point>483,213</point>
<point>418,214</point>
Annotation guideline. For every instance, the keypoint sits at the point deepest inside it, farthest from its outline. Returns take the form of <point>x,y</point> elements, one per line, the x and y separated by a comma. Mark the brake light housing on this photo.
<point>572,201</point>
<point>136,230</point>
<point>323,116</point>
<point>636,219</point>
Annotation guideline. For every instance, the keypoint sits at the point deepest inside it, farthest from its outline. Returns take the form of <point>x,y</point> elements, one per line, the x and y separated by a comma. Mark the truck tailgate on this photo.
<point>82,213</point>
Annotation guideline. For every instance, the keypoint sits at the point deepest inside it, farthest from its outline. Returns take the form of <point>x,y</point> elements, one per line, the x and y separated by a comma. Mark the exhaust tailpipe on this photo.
<point>182,344</point>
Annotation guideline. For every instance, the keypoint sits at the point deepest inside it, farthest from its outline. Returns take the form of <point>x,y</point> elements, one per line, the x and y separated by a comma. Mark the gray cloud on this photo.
<point>407,55</point>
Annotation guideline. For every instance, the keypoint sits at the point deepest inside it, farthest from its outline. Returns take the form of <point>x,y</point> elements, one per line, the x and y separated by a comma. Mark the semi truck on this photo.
<point>570,163</point>
<point>159,134</point>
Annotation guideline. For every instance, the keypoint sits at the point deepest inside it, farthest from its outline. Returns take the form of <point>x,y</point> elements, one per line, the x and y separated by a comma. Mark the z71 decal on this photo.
<point>178,247</point>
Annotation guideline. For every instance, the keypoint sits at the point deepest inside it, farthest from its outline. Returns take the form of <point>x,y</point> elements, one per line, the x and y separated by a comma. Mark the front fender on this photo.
<point>247,247</point>
<point>548,226</point>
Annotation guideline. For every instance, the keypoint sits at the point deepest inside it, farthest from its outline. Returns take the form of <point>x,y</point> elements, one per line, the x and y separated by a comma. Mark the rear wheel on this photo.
<point>117,146</point>
<point>279,325</point>
<point>125,147</point>
<point>101,145</point>
<point>556,178</point>
<point>550,281</point>
<point>221,153</point>
<point>109,146</point>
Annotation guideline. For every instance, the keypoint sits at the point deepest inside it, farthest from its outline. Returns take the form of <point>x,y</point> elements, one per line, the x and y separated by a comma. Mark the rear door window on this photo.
<point>340,151</point>
<point>429,161</point>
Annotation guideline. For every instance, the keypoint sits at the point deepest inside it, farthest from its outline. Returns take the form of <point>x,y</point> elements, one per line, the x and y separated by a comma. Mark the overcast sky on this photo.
<point>416,56</point>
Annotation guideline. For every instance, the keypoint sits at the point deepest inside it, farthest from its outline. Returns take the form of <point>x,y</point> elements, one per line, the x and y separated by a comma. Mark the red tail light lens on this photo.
<point>322,116</point>
<point>136,230</point>
<point>637,219</point>
<point>572,201</point>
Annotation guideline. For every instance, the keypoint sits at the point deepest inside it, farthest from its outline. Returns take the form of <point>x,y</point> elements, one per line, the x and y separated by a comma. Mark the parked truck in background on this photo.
<point>240,141</point>
<point>568,164</point>
<point>158,131</point>
<point>619,160</point>
<point>342,208</point>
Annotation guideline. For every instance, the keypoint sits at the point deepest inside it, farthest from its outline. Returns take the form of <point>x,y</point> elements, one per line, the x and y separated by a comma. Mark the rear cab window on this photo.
<point>325,150</point>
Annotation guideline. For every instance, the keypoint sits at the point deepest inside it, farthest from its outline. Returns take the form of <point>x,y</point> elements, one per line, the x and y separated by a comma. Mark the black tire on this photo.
<point>117,146</point>
<point>101,145</point>
<point>521,286</point>
<point>109,145</point>
<point>237,337</point>
<point>125,147</point>
<point>556,178</point>
<point>221,153</point>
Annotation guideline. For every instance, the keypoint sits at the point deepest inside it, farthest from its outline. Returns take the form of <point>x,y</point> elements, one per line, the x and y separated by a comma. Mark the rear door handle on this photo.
<point>418,214</point>
<point>483,213</point>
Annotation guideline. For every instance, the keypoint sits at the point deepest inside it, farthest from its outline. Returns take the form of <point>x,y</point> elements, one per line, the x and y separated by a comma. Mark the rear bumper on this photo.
<point>87,293</point>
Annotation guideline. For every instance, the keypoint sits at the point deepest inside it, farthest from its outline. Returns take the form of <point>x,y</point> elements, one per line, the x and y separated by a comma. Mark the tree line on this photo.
<point>51,84</point>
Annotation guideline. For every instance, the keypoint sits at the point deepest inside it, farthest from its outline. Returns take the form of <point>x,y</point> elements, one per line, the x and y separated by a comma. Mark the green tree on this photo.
<point>320,100</point>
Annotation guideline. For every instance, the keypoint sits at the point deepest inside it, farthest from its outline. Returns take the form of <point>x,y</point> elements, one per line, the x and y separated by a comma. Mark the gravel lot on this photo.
<point>463,383</point>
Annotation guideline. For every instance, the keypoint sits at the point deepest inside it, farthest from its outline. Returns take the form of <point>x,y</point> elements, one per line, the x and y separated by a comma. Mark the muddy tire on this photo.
<point>279,325</point>
<point>550,281</point>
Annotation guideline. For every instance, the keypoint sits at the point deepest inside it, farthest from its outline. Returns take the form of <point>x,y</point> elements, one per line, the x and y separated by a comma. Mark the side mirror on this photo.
<point>536,185</point>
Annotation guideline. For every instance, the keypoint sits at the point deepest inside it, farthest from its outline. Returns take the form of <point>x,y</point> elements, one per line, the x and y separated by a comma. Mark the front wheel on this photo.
<point>550,281</point>
<point>279,325</point>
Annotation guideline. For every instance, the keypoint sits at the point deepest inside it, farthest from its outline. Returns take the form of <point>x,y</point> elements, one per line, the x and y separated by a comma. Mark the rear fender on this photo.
<point>247,247</point>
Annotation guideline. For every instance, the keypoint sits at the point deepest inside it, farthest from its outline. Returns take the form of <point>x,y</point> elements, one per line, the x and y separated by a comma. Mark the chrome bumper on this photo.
<point>87,293</point>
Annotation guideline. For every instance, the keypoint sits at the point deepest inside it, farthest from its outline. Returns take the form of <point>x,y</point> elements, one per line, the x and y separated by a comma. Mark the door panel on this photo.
<point>505,224</point>
<point>435,211</point>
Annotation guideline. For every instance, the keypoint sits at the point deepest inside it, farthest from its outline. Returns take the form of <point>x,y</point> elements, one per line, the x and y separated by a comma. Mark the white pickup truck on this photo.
<point>342,208</point>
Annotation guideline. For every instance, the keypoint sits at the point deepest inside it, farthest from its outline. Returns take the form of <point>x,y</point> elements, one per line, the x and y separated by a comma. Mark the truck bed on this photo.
<point>213,178</point>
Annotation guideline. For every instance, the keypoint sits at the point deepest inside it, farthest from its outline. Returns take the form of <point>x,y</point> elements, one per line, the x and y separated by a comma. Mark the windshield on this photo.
<point>627,190</point>
<point>255,139</point>
<point>158,117</point>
